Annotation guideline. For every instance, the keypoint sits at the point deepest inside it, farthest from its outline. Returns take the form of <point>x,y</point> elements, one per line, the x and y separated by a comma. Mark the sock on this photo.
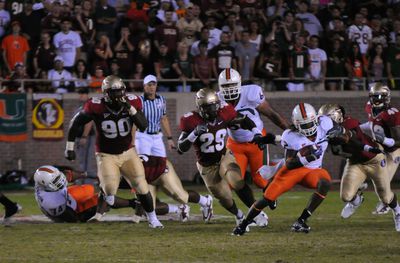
<point>239,214</point>
<point>194,197</point>
<point>357,200</point>
<point>133,202</point>
<point>146,201</point>
<point>172,208</point>
<point>256,209</point>
<point>315,200</point>
<point>233,209</point>
<point>394,205</point>
<point>306,214</point>
<point>5,201</point>
<point>246,195</point>
<point>202,200</point>
<point>151,216</point>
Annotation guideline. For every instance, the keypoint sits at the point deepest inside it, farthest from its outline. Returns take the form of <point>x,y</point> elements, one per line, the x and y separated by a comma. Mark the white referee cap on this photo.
<point>149,78</point>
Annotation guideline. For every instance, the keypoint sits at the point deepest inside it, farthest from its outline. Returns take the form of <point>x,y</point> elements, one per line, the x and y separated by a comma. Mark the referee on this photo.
<point>150,141</point>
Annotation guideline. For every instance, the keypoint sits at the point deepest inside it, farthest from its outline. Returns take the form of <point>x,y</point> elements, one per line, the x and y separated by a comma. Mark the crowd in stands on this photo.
<point>76,43</point>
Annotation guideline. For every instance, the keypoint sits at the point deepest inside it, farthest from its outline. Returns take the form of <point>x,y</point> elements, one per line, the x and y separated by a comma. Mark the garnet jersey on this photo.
<point>383,121</point>
<point>209,146</point>
<point>154,166</point>
<point>113,128</point>
<point>250,97</point>
<point>53,204</point>
<point>293,140</point>
<point>349,150</point>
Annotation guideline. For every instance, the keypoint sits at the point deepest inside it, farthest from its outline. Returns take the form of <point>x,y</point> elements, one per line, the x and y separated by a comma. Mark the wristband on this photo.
<point>367,148</point>
<point>70,146</point>
<point>192,137</point>
<point>303,161</point>
<point>169,138</point>
<point>132,111</point>
<point>389,142</point>
<point>255,130</point>
<point>278,138</point>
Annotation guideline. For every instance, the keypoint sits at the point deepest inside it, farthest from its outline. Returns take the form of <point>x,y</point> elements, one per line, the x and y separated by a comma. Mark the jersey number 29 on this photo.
<point>208,139</point>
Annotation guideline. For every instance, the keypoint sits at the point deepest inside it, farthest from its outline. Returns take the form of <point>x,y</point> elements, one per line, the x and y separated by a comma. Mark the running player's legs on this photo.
<point>133,170</point>
<point>353,177</point>
<point>108,172</point>
<point>256,156</point>
<point>84,196</point>
<point>313,177</point>
<point>172,185</point>
<point>379,174</point>
<point>393,161</point>
<point>239,154</point>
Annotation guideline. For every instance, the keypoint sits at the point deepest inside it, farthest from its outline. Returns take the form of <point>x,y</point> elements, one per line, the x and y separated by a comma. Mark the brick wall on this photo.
<point>34,153</point>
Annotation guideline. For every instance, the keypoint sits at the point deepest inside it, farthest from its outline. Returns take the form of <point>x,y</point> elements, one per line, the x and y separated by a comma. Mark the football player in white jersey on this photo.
<point>249,100</point>
<point>360,33</point>
<point>305,144</point>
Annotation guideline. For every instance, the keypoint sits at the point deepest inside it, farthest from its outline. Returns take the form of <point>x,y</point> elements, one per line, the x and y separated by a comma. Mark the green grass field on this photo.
<point>362,238</point>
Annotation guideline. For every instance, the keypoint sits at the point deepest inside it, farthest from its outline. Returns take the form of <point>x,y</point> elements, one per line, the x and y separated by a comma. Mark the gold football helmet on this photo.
<point>113,88</point>
<point>379,95</point>
<point>334,111</point>
<point>207,103</point>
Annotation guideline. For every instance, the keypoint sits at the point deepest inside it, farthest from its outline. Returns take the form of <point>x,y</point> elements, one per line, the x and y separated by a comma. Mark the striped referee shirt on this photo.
<point>154,110</point>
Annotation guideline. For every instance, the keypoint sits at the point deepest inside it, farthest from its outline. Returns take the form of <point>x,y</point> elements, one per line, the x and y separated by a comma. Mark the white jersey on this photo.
<point>250,97</point>
<point>66,45</point>
<point>4,20</point>
<point>317,56</point>
<point>293,140</point>
<point>362,35</point>
<point>53,204</point>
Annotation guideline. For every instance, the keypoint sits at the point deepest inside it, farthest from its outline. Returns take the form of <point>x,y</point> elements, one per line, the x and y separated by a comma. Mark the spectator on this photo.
<point>43,86</point>
<point>4,18</point>
<point>337,31</point>
<point>377,63</point>
<point>298,29</point>
<point>288,20</point>
<point>105,16</point>
<point>137,13</point>
<point>183,66</point>
<point>223,55</point>
<point>167,33</point>
<point>246,53</point>
<point>44,55</point>
<point>138,76</point>
<point>212,8</point>
<point>14,84</point>
<point>215,33</point>
<point>356,66</point>
<point>163,67</point>
<point>97,79</point>
<point>269,65</point>
<point>84,26</point>
<point>396,30</point>
<point>310,21</point>
<point>68,44</point>
<point>60,77</point>
<point>102,52</point>
<point>145,57</point>
<point>166,5</point>
<point>233,27</point>
<point>121,6</point>
<point>15,7</point>
<point>379,33</point>
<point>204,37</point>
<point>52,22</point>
<point>180,9</point>
<point>393,64</point>
<point>336,64</point>
<point>278,9</point>
<point>255,36</point>
<point>31,21</point>
<point>189,25</point>
<point>123,53</point>
<point>203,66</point>
<point>317,67</point>
<point>115,69</point>
<point>279,33</point>
<point>15,47</point>
<point>299,63</point>
<point>81,75</point>
<point>360,33</point>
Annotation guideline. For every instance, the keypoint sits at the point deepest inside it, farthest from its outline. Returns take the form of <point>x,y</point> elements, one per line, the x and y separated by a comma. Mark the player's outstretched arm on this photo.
<point>266,109</point>
<point>78,121</point>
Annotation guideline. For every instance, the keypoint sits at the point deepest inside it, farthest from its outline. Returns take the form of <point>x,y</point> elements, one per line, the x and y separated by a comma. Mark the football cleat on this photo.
<point>239,221</point>
<point>349,209</point>
<point>184,210</point>
<point>240,230</point>
<point>207,210</point>
<point>381,209</point>
<point>96,218</point>
<point>155,224</point>
<point>396,218</point>
<point>10,211</point>
<point>261,220</point>
<point>300,226</point>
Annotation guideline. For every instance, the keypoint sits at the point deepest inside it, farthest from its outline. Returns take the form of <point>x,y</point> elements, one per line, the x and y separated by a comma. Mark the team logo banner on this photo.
<point>48,117</point>
<point>13,126</point>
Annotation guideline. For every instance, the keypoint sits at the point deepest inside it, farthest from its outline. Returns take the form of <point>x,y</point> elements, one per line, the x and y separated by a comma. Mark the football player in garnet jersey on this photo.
<point>205,129</point>
<point>305,144</point>
<point>364,160</point>
<point>114,115</point>
<point>384,127</point>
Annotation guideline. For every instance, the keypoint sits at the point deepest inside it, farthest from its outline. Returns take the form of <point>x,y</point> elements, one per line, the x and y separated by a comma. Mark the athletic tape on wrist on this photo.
<point>70,146</point>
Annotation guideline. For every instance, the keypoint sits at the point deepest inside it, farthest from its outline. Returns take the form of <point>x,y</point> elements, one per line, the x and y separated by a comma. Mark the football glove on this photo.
<point>261,141</point>
<point>371,149</point>
<point>70,155</point>
<point>200,129</point>
<point>388,142</point>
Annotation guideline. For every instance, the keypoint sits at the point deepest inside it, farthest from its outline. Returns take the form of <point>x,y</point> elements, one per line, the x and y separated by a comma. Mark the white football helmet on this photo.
<point>304,118</point>
<point>229,83</point>
<point>50,178</point>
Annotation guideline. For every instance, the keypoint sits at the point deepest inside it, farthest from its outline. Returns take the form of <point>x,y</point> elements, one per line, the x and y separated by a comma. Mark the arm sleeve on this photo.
<point>78,121</point>
<point>140,120</point>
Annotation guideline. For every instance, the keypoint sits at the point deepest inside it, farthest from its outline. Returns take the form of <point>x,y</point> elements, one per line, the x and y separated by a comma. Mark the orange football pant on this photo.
<point>286,179</point>
<point>84,196</point>
<point>245,154</point>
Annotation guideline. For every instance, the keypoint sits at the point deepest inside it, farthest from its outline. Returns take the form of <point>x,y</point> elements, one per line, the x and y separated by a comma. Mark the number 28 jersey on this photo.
<point>113,129</point>
<point>209,146</point>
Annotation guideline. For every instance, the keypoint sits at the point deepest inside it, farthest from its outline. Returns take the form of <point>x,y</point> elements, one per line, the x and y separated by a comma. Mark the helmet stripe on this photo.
<point>303,110</point>
<point>45,169</point>
<point>228,73</point>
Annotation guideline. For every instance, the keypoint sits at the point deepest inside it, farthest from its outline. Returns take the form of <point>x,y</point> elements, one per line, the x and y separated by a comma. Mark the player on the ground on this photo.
<point>206,130</point>
<point>305,144</point>
<point>10,207</point>
<point>160,173</point>
<point>384,128</point>
<point>364,160</point>
<point>114,115</point>
<point>76,203</point>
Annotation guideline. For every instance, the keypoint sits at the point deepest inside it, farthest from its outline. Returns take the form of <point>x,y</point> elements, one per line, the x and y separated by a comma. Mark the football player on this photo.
<point>76,203</point>
<point>384,127</point>
<point>114,115</point>
<point>364,160</point>
<point>10,207</point>
<point>305,144</point>
<point>205,129</point>
<point>160,173</point>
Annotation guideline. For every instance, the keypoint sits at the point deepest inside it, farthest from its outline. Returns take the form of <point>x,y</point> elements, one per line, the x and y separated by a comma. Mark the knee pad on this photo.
<point>110,200</point>
<point>323,186</point>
